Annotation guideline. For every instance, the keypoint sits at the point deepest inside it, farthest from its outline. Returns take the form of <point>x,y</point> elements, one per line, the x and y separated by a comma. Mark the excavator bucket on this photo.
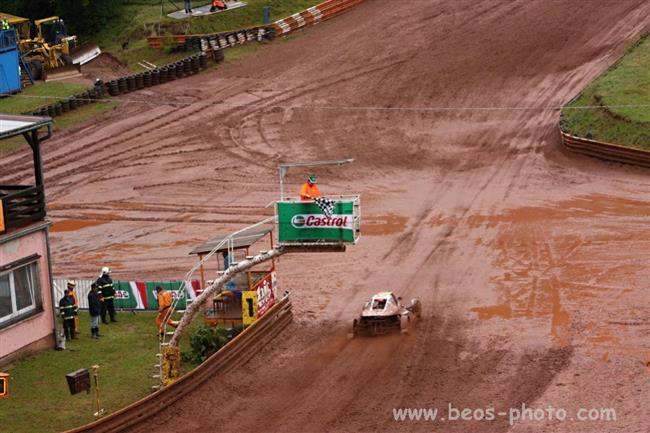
<point>85,53</point>
<point>78,56</point>
<point>62,72</point>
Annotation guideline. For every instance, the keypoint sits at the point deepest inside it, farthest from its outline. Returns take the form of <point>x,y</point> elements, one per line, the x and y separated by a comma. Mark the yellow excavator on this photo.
<point>48,49</point>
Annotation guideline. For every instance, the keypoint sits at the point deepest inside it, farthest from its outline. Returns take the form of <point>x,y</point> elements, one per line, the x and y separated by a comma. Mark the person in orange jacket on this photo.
<point>309,189</point>
<point>218,4</point>
<point>71,286</point>
<point>164,309</point>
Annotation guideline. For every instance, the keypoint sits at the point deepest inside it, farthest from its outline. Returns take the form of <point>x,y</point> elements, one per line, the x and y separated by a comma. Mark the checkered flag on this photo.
<point>326,205</point>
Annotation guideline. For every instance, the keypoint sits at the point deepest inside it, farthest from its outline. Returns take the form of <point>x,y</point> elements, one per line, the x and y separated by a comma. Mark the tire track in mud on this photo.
<point>165,119</point>
<point>443,374</point>
<point>51,161</point>
<point>472,165</point>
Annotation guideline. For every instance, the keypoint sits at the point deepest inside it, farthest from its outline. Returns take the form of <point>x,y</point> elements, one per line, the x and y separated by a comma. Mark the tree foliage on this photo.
<point>206,340</point>
<point>85,17</point>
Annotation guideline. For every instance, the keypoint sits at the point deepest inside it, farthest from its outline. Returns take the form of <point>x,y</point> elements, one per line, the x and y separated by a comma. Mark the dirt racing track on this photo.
<point>530,261</point>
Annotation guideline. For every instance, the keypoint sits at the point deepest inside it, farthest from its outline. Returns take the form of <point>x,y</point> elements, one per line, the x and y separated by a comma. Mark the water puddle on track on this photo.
<point>567,258</point>
<point>70,225</point>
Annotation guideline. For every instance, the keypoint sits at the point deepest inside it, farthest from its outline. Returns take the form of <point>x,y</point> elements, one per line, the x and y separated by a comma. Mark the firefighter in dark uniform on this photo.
<point>68,312</point>
<point>105,286</point>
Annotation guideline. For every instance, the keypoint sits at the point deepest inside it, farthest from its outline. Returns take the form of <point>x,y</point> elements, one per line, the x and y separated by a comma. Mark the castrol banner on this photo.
<point>305,222</point>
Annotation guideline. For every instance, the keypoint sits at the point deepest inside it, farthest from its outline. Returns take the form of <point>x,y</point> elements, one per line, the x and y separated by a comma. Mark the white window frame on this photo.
<point>34,284</point>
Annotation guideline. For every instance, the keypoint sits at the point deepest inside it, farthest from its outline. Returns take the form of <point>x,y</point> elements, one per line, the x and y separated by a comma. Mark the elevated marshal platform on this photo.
<point>304,227</point>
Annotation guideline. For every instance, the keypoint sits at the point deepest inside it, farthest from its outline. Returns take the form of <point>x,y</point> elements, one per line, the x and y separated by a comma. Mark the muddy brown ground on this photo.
<point>531,262</point>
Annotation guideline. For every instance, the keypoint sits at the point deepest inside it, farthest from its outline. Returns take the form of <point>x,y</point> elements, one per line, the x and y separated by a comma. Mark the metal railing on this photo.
<point>22,204</point>
<point>606,151</point>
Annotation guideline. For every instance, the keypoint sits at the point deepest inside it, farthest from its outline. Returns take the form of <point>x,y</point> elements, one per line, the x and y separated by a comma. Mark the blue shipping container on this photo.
<point>9,66</point>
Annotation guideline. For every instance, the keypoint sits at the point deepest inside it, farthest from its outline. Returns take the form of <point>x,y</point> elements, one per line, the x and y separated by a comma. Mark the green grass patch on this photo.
<point>139,19</point>
<point>614,108</point>
<point>71,118</point>
<point>38,95</point>
<point>10,144</point>
<point>239,52</point>
<point>140,50</point>
<point>40,400</point>
<point>83,113</point>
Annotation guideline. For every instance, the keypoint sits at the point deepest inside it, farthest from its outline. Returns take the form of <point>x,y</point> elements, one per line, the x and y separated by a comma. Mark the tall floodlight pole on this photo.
<point>285,166</point>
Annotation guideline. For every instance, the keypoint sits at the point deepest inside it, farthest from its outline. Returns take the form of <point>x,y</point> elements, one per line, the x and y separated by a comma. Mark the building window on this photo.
<point>20,293</point>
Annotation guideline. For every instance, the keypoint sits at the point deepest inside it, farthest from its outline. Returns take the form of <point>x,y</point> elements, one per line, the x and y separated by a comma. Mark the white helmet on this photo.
<point>105,271</point>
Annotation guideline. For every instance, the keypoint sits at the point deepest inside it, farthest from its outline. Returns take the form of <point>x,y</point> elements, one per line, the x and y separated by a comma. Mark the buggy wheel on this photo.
<point>36,69</point>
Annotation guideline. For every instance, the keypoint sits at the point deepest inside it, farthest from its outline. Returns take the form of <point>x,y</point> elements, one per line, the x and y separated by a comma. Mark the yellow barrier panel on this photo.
<point>4,385</point>
<point>171,364</point>
<point>249,307</point>
<point>2,218</point>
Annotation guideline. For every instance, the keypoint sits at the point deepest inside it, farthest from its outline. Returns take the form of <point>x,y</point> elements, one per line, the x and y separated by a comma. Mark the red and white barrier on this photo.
<point>313,15</point>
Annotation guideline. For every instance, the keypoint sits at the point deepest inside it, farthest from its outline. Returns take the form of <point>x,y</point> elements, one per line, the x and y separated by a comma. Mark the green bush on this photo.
<point>206,340</point>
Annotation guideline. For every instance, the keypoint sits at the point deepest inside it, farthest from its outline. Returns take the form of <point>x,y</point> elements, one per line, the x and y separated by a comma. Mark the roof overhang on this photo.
<point>242,240</point>
<point>11,125</point>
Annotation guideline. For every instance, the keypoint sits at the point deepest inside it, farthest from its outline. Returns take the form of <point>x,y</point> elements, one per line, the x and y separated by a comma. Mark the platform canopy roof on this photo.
<point>11,125</point>
<point>242,240</point>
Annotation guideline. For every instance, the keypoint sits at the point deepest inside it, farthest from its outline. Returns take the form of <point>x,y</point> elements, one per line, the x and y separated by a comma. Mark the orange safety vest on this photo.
<point>164,311</point>
<point>307,189</point>
<point>164,301</point>
<point>76,305</point>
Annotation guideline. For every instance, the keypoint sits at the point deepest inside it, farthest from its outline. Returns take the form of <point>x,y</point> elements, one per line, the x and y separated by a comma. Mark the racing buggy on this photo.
<point>385,313</point>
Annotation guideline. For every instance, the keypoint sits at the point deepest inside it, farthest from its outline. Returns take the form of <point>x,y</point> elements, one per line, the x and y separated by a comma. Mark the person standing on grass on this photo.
<point>105,286</point>
<point>188,6</point>
<point>95,310</point>
<point>68,311</point>
<point>71,286</point>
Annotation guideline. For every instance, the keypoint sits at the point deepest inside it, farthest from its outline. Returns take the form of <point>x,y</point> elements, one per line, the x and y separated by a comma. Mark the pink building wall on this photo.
<point>39,326</point>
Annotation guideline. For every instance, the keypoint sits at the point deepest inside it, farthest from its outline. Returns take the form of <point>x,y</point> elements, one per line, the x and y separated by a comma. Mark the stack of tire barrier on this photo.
<point>182,68</point>
<point>214,41</point>
<point>72,103</point>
